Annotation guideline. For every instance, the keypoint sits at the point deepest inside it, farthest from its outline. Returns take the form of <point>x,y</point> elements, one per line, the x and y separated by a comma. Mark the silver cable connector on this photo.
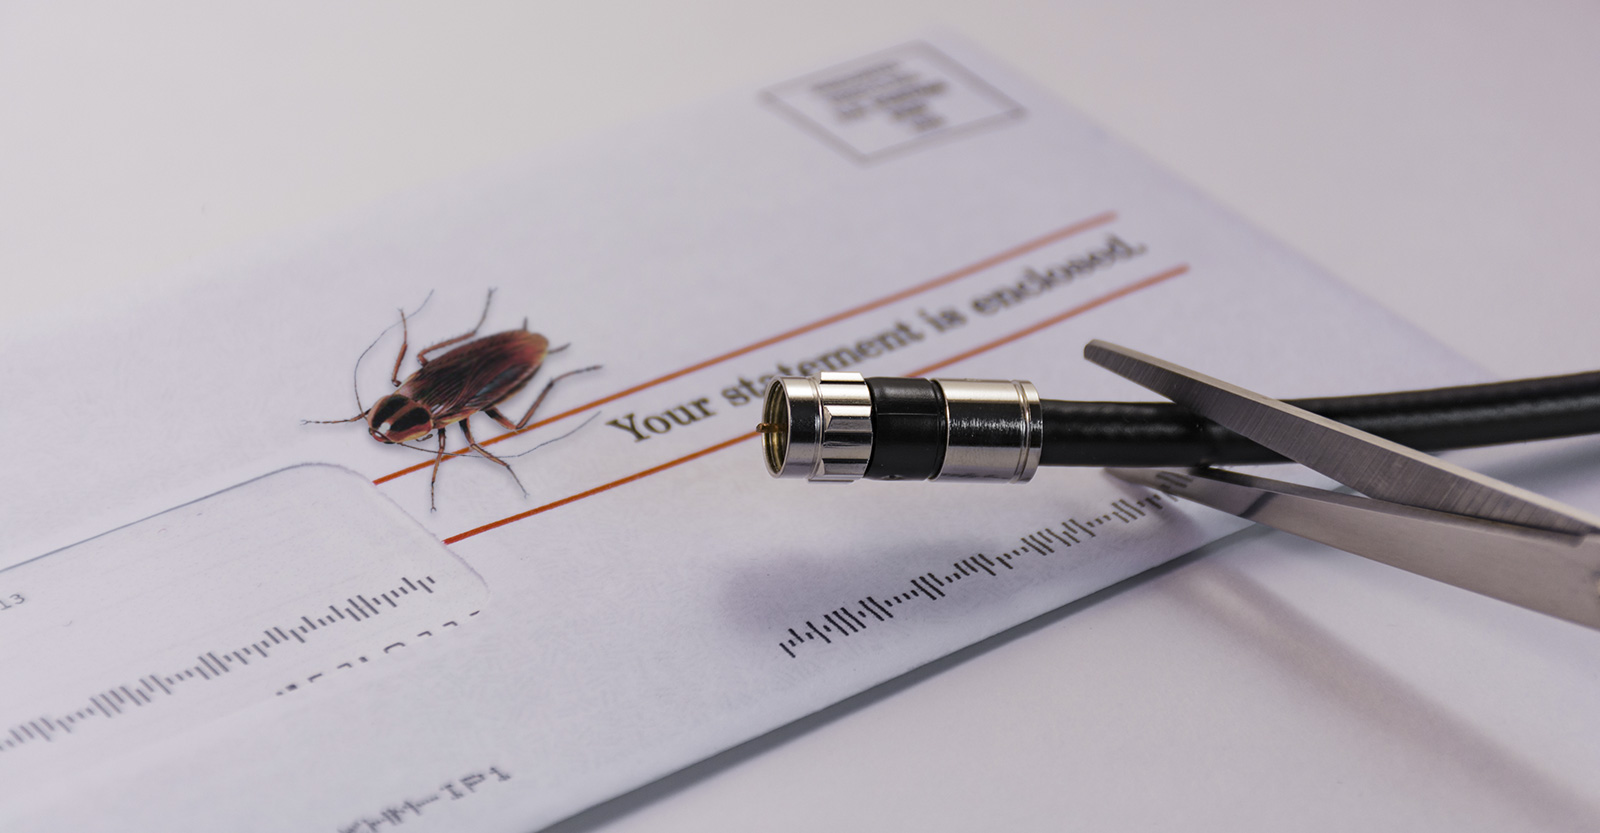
<point>842,427</point>
<point>823,426</point>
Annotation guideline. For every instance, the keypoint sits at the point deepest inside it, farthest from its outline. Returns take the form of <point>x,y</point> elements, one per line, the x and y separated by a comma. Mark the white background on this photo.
<point>1439,156</point>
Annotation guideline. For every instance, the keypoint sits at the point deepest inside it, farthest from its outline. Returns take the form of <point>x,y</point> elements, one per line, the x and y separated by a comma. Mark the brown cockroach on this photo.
<point>472,378</point>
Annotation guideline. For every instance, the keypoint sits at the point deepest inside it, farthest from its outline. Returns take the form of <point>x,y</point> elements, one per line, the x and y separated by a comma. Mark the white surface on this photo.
<point>1437,156</point>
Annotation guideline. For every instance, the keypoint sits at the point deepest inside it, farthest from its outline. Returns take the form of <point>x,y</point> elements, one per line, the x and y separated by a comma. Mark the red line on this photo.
<point>986,263</point>
<point>598,489</point>
<point>1022,333</point>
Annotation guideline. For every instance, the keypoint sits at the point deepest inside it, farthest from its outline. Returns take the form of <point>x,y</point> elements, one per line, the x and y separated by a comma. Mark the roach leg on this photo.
<point>422,357</point>
<point>554,350</point>
<point>495,415</point>
<point>548,385</point>
<point>405,342</point>
<point>473,444</point>
<point>433,483</point>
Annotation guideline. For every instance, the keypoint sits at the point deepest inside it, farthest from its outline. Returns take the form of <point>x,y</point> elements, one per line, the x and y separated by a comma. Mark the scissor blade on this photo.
<point>1550,572</point>
<point>1369,464</point>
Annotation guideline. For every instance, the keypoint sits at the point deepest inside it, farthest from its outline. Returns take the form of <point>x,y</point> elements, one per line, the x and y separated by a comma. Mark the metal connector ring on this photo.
<point>996,430</point>
<point>819,427</point>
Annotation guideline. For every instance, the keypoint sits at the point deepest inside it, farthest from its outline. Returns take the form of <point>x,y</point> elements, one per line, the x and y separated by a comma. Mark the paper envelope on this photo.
<point>228,618</point>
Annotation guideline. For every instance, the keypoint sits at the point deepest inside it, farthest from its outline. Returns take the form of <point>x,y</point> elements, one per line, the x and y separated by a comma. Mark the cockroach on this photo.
<point>473,378</point>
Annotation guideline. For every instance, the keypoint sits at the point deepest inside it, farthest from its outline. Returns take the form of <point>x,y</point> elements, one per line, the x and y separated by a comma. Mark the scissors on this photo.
<point>1419,513</point>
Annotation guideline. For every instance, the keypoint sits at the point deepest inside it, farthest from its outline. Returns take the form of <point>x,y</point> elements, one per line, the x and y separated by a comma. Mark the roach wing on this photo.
<point>477,375</point>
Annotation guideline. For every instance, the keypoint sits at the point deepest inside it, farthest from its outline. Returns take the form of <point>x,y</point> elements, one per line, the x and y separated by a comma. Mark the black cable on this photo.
<point>840,426</point>
<point>1163,434</point>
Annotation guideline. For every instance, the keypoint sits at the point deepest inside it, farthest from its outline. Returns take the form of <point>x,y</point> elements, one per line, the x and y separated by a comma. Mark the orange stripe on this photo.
<point>986,263</point>
<point>598,489</point>
<point>1022,333</point>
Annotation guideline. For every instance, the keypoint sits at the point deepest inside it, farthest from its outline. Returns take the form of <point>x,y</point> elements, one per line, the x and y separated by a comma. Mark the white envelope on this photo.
<point>653,598</point>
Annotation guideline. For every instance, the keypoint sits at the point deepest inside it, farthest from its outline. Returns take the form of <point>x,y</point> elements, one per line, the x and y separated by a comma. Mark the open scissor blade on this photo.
<point>1550,572</point>
<point>1369,464</point>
